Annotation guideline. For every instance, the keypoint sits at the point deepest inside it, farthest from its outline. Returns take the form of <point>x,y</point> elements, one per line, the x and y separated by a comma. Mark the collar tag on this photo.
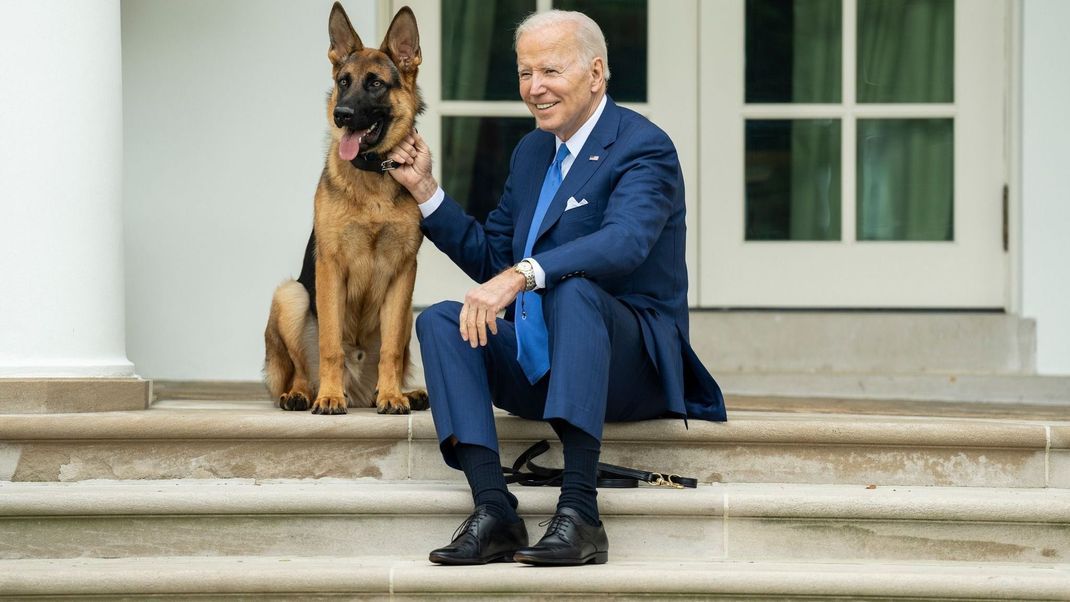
<point>373,162</point>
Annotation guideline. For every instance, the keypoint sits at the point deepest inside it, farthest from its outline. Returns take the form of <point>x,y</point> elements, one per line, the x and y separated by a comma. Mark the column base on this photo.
<point>64,395</point>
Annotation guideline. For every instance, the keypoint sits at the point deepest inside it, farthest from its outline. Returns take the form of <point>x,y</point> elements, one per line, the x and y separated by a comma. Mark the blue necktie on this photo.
<point>532,350</point>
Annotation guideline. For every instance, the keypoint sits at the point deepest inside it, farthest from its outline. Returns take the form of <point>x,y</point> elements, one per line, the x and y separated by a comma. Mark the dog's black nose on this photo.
<point>342,116</point>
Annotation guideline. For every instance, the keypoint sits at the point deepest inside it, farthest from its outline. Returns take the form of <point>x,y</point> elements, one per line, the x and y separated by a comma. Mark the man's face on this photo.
<point>557,87</point>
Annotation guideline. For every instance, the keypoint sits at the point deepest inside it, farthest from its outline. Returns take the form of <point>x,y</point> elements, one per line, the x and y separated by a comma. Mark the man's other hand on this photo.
<point>413,171</point>
<point>482,304</point>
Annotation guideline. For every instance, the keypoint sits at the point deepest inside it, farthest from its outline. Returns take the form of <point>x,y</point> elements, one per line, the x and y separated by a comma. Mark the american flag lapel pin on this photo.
<point>593,158</point>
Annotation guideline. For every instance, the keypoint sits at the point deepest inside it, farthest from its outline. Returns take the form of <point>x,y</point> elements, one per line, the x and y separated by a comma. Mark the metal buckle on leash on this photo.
<point>662,480</point>
<point>388,165</point>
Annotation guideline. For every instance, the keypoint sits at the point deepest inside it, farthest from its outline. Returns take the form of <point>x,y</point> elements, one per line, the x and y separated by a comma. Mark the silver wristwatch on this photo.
<point>525,269</point>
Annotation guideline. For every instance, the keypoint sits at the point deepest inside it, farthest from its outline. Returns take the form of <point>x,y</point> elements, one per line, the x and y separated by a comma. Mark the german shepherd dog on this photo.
<point>349,315</point>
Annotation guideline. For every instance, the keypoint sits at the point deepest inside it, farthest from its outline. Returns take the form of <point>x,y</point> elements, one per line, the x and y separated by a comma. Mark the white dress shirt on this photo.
<point>575,145</point>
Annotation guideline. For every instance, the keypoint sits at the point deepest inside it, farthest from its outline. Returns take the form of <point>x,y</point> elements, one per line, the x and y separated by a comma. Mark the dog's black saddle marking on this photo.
<point>308,272</point>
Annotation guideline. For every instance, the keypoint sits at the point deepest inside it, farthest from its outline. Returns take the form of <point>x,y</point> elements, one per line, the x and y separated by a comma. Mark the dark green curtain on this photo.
<point>815,179</point>
<point>906,167</point>
<point>467,30</point>
<point>905,179</point>
<point>815,144</point>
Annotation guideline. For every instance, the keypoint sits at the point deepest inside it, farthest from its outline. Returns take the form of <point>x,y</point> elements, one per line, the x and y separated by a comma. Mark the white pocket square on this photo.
<point>573,203</point>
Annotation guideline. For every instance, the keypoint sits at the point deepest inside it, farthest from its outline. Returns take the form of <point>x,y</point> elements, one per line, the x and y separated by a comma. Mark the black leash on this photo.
<point>609,475</point>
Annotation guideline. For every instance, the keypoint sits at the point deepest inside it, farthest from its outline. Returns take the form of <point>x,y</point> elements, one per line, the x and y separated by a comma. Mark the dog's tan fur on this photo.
<point>367,231</point>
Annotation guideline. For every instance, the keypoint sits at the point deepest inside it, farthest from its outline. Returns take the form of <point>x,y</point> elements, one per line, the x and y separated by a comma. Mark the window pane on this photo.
<point>793,179</point>
<point>476,153</point>
<point>624,23</point>
<point>478,61</point>
<point>906,50</point>
<point>906,179</point>
<point>793,50</point>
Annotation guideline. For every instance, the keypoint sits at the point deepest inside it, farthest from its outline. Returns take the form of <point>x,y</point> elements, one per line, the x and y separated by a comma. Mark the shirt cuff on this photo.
<point>428,207</point>
<point>540,274</point>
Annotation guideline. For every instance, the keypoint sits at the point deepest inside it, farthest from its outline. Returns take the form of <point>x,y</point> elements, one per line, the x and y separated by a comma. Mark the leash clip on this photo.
<point>388,165</point>
<point>661,480</point>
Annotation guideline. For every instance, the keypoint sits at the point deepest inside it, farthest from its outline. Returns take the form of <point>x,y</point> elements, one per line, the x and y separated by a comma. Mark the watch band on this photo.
<point>525,269</point>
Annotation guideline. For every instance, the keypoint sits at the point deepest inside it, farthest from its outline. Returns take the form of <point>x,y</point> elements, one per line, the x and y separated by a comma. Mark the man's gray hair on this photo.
<point>589,36</point>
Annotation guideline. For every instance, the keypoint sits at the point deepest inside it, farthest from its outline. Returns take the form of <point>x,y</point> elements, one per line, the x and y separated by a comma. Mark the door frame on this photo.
<point>763,274</point>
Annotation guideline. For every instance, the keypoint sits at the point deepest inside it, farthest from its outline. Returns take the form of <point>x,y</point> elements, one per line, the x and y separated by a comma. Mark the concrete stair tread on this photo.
<point>402,577</point>
<point>374,497</point>
<point>737,522</point>
<point>793,414</point>
<point>170,442</point>
<point>966,388</point>
<point>209,421</point>
<point>1010,396</point>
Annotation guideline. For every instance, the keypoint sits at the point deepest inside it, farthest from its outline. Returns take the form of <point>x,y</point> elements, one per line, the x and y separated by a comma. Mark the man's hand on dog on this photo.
<point>482,304</point>
<point>413,171</point>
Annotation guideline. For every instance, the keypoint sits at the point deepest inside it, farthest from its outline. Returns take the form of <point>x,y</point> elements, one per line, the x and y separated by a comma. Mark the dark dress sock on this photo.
<point>483,469</point>
<point>579,480</point>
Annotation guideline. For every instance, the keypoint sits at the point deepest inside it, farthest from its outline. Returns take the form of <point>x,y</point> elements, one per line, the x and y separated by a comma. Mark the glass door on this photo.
<point>474,115</point>
<point>853,153</point>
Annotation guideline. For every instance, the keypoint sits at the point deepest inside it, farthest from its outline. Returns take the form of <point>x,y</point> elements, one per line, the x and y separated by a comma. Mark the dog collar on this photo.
<point>373,162</point>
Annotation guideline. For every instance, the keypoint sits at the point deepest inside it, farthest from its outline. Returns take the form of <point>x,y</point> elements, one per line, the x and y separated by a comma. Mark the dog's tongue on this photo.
<point>349,145</point>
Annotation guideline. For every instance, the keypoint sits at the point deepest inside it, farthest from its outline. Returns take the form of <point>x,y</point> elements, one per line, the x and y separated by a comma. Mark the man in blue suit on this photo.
<point>585,252</point>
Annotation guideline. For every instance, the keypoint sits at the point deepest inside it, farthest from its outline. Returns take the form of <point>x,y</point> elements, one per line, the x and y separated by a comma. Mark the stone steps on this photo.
<point>384,577</point>
<point>249,439</point>
<point>733,522</point>
<point>232,499</point>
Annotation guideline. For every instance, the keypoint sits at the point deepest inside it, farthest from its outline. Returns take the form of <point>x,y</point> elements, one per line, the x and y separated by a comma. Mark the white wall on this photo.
<point>1045,187</point>
<point>225,130</point>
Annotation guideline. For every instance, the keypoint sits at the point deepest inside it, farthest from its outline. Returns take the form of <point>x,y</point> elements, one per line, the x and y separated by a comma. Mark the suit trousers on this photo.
<point>599,369</point>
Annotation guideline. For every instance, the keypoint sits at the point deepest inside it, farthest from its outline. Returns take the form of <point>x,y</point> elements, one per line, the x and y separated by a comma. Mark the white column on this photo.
<point>61,231</point>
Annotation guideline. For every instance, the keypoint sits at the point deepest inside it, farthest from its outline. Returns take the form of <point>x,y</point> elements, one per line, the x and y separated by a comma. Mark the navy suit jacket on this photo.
<point>628,238</point>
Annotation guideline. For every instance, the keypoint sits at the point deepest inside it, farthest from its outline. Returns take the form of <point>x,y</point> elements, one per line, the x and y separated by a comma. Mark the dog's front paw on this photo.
<point>392,404</point>
<point>418,400</point>
<point>294,402</point>
<point>329,404</point>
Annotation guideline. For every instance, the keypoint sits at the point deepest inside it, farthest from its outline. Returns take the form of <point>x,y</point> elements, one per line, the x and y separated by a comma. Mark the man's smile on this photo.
<point>544,106</point>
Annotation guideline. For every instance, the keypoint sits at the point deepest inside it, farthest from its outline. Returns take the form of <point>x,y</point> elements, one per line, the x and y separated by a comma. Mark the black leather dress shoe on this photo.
<point>483,538</point>
<point>568,540</point>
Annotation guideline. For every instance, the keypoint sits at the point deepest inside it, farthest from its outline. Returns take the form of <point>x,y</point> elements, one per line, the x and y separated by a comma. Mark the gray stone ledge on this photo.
<point>864,341</point>
<point>365,424</point>
<point>65,395</point>
<point>768,500</point>
<point>366,497</point>
<point>975,504</point>
<point>1005,389</point>
<point>402,578</point>
<point>1060,437</point>
<point>802,429</point>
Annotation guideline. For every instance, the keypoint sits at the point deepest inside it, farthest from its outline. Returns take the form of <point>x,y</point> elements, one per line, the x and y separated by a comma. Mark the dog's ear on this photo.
<point>402,41</point>
<point>344,39</point>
